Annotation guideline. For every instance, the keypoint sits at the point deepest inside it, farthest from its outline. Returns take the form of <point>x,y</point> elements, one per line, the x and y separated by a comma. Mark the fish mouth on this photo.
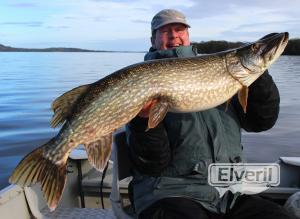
<point>285,39</point>
<point>257,57</point>
<point>275,44</point>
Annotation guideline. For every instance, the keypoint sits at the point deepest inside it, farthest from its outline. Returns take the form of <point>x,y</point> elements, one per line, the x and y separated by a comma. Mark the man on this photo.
<point>170,161</point>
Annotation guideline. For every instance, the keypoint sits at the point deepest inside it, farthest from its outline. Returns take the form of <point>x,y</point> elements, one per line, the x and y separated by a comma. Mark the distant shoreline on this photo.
<point>292,48</point>
<point>208,47</point>
<point>4,48</point>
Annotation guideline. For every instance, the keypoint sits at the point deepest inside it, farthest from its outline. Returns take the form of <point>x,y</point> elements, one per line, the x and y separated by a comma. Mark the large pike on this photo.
<point>91,113</point>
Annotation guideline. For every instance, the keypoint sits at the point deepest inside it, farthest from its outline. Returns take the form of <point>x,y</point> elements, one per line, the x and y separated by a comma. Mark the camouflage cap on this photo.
<point>167,16</point>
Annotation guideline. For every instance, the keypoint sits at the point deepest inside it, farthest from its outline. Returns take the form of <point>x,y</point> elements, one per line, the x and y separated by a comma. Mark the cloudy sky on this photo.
<point>125,25</point>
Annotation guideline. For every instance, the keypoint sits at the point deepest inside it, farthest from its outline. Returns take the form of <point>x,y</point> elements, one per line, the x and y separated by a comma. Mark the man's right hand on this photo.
<point>145,111</point>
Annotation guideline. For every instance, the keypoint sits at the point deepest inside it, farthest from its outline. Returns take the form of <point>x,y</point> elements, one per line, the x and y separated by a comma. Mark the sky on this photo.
<point>125,25</point>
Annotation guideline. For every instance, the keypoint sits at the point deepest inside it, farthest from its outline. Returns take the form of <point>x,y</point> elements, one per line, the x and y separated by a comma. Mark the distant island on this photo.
<point>293,48</point>
<point>4,48</point>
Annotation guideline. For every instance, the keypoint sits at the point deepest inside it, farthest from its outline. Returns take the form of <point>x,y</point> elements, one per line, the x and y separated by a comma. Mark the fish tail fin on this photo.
<point>36,168</point>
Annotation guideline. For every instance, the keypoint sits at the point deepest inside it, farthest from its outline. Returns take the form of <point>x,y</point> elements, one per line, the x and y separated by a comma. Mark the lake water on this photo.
<point>29,82</point>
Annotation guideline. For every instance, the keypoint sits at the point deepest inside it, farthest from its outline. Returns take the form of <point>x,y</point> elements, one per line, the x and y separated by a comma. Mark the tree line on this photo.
<point>293,47</point>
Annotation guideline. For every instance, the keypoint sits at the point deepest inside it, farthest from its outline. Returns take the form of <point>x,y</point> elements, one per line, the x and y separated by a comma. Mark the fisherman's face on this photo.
<point>170,36</point>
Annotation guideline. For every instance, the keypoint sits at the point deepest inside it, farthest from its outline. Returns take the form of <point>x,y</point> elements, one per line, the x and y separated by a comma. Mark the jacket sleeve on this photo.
<point>263,105</point>
<point>149,150</point>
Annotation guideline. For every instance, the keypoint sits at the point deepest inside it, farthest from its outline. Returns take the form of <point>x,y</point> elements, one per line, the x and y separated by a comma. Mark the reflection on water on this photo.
<point>29,82</point>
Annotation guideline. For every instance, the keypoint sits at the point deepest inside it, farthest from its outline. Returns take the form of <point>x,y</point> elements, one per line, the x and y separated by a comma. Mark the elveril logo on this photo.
<point>246,178</point>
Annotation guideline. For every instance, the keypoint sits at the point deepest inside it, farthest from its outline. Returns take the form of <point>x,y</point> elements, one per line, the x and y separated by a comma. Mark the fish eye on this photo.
<point>255,47</point>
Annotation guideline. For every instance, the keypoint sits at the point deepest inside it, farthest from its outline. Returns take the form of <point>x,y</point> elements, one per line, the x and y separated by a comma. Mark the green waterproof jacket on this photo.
<point>171,160</point>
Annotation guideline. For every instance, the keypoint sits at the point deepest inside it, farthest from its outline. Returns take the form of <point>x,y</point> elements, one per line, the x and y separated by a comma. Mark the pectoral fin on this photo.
<point>243,96</point>
<point>157,113</point>
<point>99,151</point>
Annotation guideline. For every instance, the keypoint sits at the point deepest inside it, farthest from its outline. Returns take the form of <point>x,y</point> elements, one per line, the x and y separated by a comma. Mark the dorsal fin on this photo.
<point>63,105</point>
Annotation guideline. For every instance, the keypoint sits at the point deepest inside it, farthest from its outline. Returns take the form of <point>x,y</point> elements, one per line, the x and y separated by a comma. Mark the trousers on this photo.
<point>246,207</point>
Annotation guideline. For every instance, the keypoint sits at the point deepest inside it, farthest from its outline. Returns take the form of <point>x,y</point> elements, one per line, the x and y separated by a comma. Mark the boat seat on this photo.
<point>40,210</point>
<point>86,213</point>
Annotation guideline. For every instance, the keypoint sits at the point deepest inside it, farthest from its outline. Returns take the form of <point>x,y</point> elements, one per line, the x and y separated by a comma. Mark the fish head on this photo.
<point>258,56</point>
<point>255,58</point>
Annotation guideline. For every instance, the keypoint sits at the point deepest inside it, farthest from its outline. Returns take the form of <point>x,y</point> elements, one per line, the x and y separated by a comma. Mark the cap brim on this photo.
<point>171,22</point>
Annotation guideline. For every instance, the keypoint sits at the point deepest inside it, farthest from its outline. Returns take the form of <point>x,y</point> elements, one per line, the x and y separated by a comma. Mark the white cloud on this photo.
<point>235,21</point>
<point>95,22</point>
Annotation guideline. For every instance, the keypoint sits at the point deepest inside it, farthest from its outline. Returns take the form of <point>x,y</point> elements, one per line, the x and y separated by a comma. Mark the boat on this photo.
<point>81,196</point>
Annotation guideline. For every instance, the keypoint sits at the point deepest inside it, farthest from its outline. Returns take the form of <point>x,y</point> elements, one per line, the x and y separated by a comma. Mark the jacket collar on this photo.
<point>181,51</point>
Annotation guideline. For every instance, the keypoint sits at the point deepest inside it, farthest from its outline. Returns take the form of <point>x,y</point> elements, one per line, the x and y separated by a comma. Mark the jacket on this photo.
<point>172,159</point>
